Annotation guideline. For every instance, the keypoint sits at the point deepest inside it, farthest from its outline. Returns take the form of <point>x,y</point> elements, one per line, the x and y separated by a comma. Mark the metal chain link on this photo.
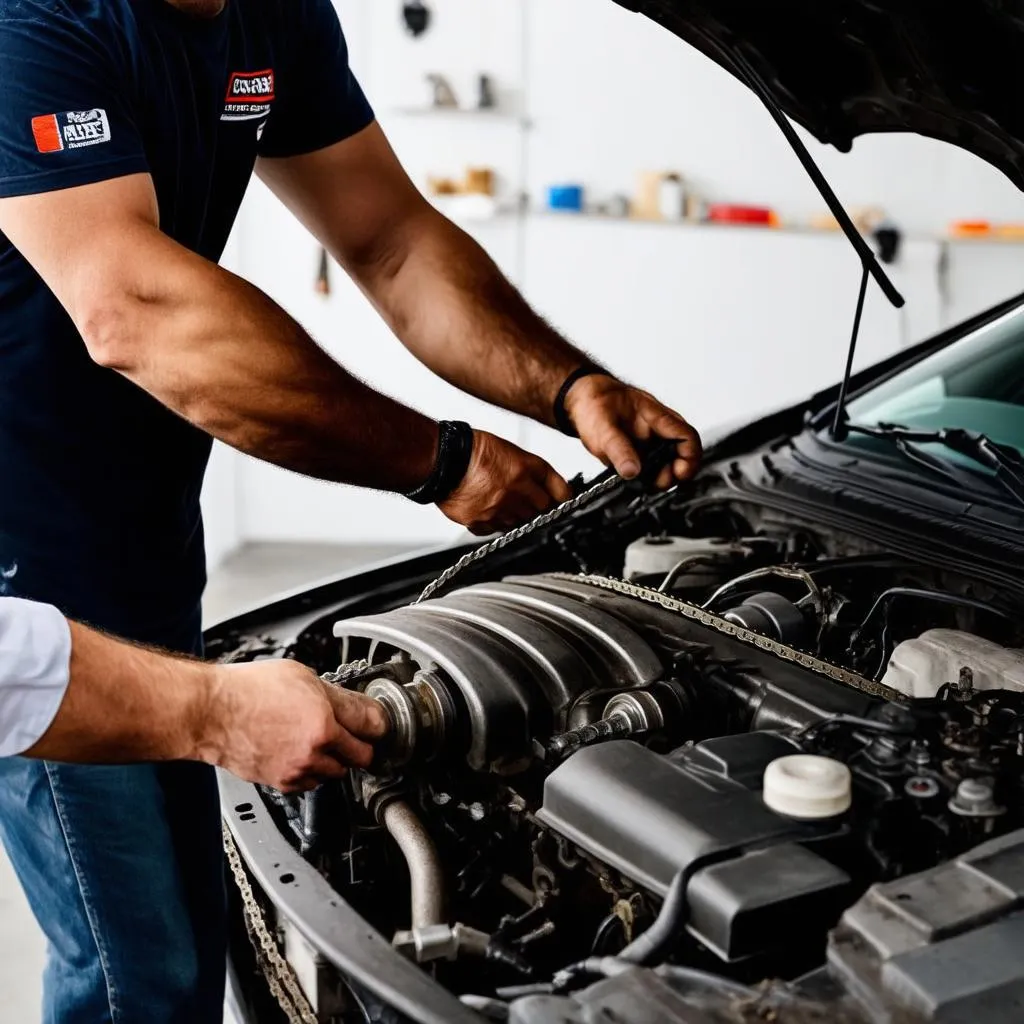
<point>277,972</point>
<point>801,658</point>
<point>280,977</point>
<point>747,636</point>
<point>346,673</point>
<point>513,536</point>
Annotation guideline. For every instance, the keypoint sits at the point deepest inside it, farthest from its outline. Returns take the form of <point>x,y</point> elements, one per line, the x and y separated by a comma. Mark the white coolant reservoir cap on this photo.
<point>807,786</point>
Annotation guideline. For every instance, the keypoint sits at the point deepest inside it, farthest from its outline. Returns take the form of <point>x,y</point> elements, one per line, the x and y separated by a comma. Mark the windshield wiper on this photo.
<point>1006,463</point>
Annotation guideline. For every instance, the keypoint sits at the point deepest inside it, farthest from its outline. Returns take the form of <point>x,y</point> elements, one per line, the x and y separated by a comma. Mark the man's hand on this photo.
<point>272,722</point>
<point>613,418</point>
<point>503,487</point>
<point>277,723</point>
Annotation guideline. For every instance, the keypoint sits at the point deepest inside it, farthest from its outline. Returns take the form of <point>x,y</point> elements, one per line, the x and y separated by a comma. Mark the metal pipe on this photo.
<point>689,562</point>
<point>424,864</point>
<point>783,571</point>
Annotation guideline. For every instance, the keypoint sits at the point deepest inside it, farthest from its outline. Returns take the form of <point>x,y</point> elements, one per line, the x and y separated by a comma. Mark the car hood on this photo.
<point>942,68</point>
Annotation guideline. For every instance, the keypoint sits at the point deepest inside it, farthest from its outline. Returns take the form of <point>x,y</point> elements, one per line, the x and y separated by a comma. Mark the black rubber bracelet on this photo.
<point>562,420</point>
<point>454,453</point>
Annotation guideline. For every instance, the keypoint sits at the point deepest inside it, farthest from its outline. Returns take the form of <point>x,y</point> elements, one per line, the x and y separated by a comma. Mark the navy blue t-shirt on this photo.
<point>99,483</point>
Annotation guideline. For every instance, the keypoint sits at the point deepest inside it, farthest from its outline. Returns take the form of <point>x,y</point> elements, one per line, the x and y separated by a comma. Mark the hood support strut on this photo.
<point>869,263</point>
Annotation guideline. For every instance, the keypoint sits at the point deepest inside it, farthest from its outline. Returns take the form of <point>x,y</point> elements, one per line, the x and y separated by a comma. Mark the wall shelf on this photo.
<point>994,239</point>
<point>783,229</point>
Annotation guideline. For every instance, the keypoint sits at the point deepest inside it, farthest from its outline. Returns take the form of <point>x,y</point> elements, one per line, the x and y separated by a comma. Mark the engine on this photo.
<point>707,752</point>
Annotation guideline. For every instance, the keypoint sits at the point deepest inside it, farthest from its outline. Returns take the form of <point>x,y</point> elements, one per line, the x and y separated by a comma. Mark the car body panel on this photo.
<point>338,933</point>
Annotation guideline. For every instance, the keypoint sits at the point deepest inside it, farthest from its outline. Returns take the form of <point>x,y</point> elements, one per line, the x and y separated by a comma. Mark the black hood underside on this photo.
<point>948,69</point>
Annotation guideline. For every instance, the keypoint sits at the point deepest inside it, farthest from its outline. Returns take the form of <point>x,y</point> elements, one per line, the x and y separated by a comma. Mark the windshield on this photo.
<point>976,384</point>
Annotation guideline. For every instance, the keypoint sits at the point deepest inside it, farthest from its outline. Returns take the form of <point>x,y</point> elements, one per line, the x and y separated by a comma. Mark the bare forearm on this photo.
<point>446,300</point>
<point>455,310</point>
<point>224,356</point>
<point>126,704</point>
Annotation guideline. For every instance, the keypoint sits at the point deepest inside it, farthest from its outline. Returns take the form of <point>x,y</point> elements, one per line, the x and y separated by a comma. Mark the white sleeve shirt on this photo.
<point>35,669</point>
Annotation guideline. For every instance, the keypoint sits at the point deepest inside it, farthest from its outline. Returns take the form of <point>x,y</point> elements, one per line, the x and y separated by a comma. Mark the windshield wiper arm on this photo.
<point>914,453</point>
<point>1006,462</point>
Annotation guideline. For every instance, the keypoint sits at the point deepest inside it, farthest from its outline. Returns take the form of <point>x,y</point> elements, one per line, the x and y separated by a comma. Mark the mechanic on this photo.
<point>71,694</point>
<point>129,130</point>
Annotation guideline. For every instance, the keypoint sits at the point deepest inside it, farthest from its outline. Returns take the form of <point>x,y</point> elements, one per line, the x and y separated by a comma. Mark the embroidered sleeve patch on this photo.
<point>74,129</point>
<point>249,95</point>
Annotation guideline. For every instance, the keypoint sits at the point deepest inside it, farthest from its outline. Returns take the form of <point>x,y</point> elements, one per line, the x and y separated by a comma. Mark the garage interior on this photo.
<point>585,151</point>
<point>588,94</point>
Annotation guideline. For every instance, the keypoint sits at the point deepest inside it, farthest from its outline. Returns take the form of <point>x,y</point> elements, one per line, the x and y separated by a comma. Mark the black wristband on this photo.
<point>562,420</point>
<point>454,453</point>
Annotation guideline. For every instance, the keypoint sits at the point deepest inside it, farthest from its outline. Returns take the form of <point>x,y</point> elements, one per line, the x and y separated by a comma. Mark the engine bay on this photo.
<point>703,757</point>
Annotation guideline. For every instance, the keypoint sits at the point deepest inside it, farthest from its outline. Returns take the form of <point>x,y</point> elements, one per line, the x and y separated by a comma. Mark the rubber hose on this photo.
<point>655,943</point>
<point>424,864</point>
<point>712,982</point>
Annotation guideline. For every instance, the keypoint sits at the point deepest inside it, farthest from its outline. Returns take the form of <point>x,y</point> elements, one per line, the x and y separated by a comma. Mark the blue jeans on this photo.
<point>123,870</point>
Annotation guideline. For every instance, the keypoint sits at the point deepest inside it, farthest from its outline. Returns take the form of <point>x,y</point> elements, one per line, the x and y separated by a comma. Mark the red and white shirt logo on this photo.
<point>74,129</point>
<point>249,95</point>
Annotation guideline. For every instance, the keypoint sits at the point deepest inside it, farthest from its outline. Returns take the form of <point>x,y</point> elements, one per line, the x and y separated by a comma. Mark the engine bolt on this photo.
<point>918,753</point>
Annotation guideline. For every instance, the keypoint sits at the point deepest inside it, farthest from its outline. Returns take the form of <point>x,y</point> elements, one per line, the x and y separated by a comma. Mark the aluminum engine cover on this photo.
<point>517,656</point>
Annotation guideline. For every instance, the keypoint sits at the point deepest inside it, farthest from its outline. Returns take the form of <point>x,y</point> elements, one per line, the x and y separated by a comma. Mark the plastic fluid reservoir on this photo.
<point>807,786</point>
<point>658,555</point>
<point>919,667</point>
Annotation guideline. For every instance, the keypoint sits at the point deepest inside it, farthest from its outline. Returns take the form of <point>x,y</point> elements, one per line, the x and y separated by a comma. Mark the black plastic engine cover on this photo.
<point>699,812</point>
<point>650,816</point>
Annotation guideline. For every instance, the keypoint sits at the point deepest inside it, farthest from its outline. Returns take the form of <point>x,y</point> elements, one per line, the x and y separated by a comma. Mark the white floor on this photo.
<point>252,575</point>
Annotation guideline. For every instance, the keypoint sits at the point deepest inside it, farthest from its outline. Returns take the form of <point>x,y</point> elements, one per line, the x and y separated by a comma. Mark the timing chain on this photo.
<point>346,673</point>
<point>280,977</point>
<point>693,612</point>
<point>513,536</point>
<point>276,971</point>
<point>746,636</point>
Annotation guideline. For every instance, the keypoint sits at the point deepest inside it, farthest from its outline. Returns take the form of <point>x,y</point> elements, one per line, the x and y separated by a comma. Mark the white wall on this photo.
<point>721,321</point>
<point>612,92</point>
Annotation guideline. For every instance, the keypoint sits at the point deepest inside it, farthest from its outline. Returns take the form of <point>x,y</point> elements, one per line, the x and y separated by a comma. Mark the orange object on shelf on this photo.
<point>442,186</point>
<point>963,228</point>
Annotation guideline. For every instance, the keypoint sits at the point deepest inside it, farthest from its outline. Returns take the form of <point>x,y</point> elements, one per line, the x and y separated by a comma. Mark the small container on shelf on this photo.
<point>566,198</point>
<point>732,213</point>
<point>619,206</point>
<point>480,181</point>
<point>671,197</point>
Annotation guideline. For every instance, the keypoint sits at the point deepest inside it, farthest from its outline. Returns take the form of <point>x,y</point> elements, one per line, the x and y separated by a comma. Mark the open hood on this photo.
<point>842,68</point>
